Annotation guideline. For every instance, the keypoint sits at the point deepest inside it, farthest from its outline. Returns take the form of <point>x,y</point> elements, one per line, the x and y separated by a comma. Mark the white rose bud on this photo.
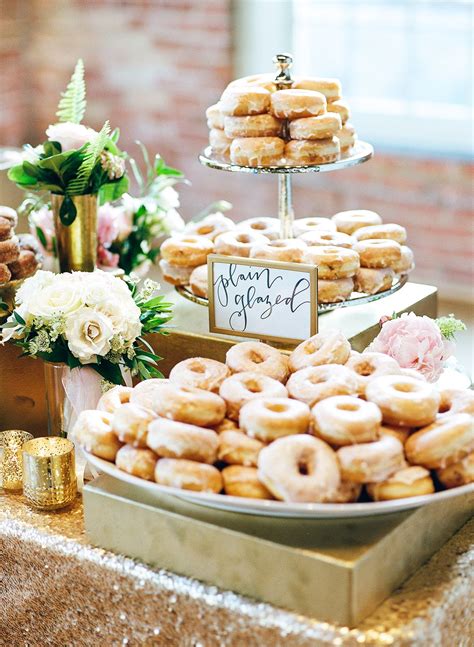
<point>88,333</point>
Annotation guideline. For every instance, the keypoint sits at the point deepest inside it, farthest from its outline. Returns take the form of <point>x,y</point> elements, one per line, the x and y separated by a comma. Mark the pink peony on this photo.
<point>107,224</point>
<point>105,258</point>
<point>415,342</point>
<point>70,136</point>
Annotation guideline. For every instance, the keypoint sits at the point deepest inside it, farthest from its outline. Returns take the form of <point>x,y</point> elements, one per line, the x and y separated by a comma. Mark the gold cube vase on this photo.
<point>76,243</point>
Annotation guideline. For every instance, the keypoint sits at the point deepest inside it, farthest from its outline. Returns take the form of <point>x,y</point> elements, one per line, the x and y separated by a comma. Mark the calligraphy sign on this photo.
<point>262,299</point>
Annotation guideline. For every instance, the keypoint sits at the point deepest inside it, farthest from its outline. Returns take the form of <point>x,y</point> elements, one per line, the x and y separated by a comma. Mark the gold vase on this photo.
<point>76,243</point>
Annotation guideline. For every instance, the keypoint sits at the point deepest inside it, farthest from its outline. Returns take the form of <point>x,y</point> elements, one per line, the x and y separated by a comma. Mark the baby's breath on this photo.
<point>449,326</point>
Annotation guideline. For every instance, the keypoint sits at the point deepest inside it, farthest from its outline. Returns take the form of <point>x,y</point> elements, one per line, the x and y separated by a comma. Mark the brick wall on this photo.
<point>153,67</point>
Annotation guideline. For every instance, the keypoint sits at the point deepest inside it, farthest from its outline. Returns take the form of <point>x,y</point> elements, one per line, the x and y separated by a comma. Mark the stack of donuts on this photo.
<point>353,250</point>
<point>255,124</point>
<point>322,424</point>
<point>19,255</point>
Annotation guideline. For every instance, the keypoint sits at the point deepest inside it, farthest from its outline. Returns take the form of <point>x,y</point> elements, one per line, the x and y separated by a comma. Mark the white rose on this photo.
<point>36,282</point>
<point>167,198</point>
<point>70,136</point>
<point>125,317</point>
<point>88,333</point>
<point>62,296</point>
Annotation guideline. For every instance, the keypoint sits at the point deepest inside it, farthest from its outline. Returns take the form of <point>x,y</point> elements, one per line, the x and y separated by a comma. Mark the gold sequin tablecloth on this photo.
<point>56,589</point>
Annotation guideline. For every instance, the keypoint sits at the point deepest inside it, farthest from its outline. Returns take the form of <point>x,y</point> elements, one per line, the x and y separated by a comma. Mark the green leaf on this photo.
<point>91,155</point>
<point>115,134</point>
<point>41,237</point>
<point>31,169</point>
<point>111,191</point>
<point>52,148</point>
<point>73,362</point>
<point>19,318</point>
<point>109,371</point>
<point>68,211</point>
<point>72,104</point>
<point>18,175</point>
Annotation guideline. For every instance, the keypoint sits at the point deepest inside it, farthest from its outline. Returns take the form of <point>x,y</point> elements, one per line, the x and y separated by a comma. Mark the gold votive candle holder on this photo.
<point>11,468</point>
<point>49,472</point>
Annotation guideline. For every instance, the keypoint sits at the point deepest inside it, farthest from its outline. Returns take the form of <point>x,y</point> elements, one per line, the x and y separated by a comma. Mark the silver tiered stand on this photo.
<point>361,152</point>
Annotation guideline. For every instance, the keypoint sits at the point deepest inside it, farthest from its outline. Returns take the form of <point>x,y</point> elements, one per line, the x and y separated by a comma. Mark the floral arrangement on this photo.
<point>75,159</point>
<point>88,318</point>
<point>418,342</point>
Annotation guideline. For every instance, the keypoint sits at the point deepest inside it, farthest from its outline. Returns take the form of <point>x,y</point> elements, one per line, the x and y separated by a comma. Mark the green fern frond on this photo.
<point>94,149</point>
<point>72,104</point>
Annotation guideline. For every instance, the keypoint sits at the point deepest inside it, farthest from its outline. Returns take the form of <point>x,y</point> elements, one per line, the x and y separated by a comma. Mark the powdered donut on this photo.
<point>349,221</point>
<point>371,462</point>
<point>292,104</point>
<point>186,250</point>
<point>238,243</point>
<point>290,250</point>
<point>329,347</point>
<point>130,424</point>
<point>175,274</point>
<point>331,88</point>
<point>269,227</point>
<point>190,405</point>
<point>299,468</point>
<point>370,365</point>
<point>302,152</point>
<point>324,237</point>
<point>252,126</point>
<point>148,393</point>
<point>316,383</point>
<point>404,400</point>
<point>341,108</point>
<point>219,142</point>
<point>372,281</point>
<point>320,127</point>
<point>407,482</point>
<point>211,226</point>
<point>112,399</point>
<point>259,358</point>
<point>333,262</point>
<point>198,281</point>
<point>236,448</point>
<point>199,373</point>
<point>93,432</point>
<point>314,224</point>
<point>257,151</point>
<point>171,439</point>
<point>389,231</point>
<point>245,100</point>
<point>270,418</point>
<point>457,474</point>
<point>378,252</point>
<point>244,481</point>
<point>188,475</point>
<point>346,420</point>
<point>238,389</point>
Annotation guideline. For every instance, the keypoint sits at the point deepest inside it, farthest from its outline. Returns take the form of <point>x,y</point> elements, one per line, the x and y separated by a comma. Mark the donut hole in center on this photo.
<point>348,406</point>
<point>243,238</point>
<point>255,357</point>
<point>365,369</point>
<point>253,386</point>
<point>404,387</point>
<point>205,229</point>
<point>303,468</point>
<point>277,243</point>
<point>197,368</point>
<point>257,225</point>
<point>276,407</point>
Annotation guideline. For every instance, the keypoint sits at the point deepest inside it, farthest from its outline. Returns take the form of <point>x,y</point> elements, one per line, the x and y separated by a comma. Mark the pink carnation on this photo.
<point>415,342</point>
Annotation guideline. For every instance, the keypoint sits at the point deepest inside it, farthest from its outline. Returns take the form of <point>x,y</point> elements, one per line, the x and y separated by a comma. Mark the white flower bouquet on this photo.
<point>88,318</point>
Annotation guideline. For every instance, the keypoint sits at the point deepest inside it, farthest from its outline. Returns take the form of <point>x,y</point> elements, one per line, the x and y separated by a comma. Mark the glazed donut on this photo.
<point>301,152</point>
<point>112,399</point>
<point>188,475</point>
<point>400,433</point>
<point>267,419</point>
<point>378,252</point>
<point>269,227</point>
<point>186,250</point>
<point>5,274</point>
<point>245,100</point>
<point>211,226</point>
<point>329,347</point>
<point>335,290</point>
<point>371,462</point>
<point>257,151</point>
<point>315,225</point>
<point>333,262</point>
<point>93,432</point>
<point>320,127</point>
<point>9,214</point>
<point>252,126</point>
<point>171,439</point>
<point>240,388</point>
<point>457,474</point>
<point>236,448</point>
<point>347,137</point>
<point>456,401</point>
<point>341,108</point>
<point>139,462</point>
<point>346,420</point>
<point>9,250</point>
<point>372,281</point>
<point>214,116</point>
<point>389,231</point>
<point>403,400</point>
<point>190,405</point>
<point>406,482</point>
<point>349,221</point>
<point>238,243</point>
<point>368,365</point>
<point>300,468</point>
<point>226,425</point>
<point>199,373</point>
<point>146,394</point>
<point>331,88</point>
<point>198,281</point>
<point>406,263</point>
<point>6,229</point>
<point>219,142</point>
<point>260,80</point>
<point>316,383</point>
<point>130,424</point>
<point>25,265</point>
<point>323,237</point>
<point>412,372</point>
<point>448,440</point>
<point>290,250</point>
<point>347,492</point>
<point>257,357</point>
<point>292,104</point>
<point>243,481</point>
<point>175,274</point>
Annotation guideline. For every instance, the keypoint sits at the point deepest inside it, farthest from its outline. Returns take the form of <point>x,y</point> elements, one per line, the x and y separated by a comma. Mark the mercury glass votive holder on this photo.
<point>49,473</point>
<point>11,468</point>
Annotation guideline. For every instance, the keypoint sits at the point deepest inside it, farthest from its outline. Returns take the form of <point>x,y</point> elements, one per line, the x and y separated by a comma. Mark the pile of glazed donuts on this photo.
<point>353,250</point>
<point>19,255</point>
<point>254,124</point>
<point>322,424</point>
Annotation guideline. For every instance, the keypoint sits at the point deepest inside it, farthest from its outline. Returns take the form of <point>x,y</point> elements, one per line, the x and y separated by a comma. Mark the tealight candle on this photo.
<point>11,470</point>
<point>49,475</point>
